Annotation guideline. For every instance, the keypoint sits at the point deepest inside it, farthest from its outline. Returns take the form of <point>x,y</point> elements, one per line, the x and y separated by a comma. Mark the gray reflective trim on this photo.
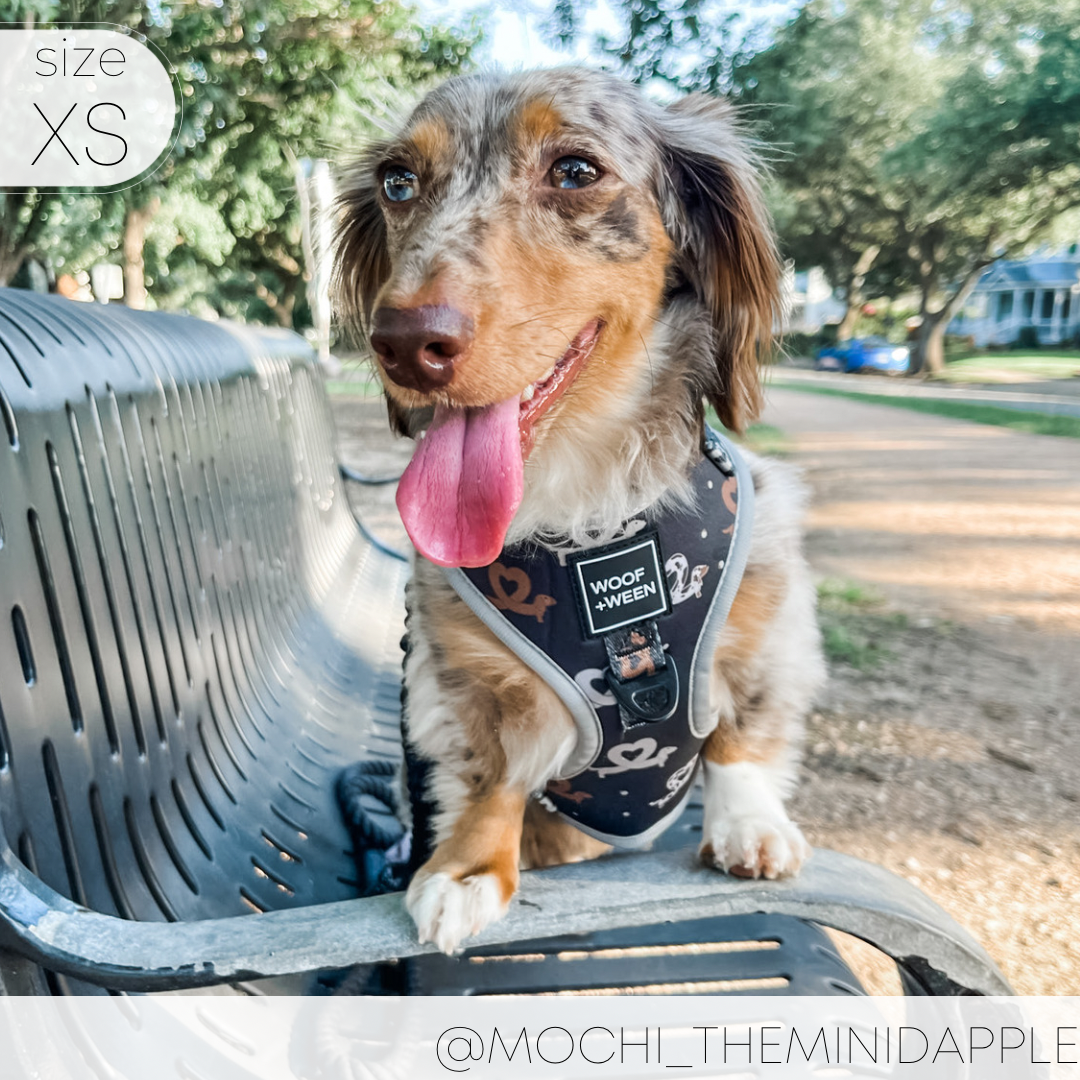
<point>590,733</point>
<point>638,840</point>
<point>699,708</point>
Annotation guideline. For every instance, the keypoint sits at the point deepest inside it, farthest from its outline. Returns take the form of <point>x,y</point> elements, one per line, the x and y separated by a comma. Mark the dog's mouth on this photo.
<point>538,397</point>
<point>464,484</point>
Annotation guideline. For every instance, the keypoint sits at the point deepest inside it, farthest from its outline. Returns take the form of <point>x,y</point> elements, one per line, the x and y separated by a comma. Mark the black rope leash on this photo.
<point>369,803</point>
<point>387,854</point>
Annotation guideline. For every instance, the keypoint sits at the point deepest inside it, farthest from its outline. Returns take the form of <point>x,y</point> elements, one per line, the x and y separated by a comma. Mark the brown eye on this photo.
<point>573,172</point>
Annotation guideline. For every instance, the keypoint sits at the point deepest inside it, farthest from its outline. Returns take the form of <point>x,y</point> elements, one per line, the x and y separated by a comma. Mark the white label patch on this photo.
<point>620,586</point>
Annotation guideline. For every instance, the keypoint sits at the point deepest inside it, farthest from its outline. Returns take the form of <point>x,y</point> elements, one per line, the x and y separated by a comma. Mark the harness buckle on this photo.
<point>642,679</point>
<point>648,698</point>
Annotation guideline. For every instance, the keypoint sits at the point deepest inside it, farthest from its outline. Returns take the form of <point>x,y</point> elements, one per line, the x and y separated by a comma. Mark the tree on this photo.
<point>69,230</point>
<point>282,81</point>
<point>263,81</point>
<point>836,95</point>
<point>932,138</point>
<point>22,220</point>
<point>995,165</point>
<point>829,93</point>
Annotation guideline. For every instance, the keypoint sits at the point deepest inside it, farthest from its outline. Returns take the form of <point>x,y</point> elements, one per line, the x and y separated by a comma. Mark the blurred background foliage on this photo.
<point>911,142</point>
<point>263,83</point>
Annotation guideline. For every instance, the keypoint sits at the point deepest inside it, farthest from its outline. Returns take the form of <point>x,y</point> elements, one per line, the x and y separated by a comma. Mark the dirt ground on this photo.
<point>947,744</point>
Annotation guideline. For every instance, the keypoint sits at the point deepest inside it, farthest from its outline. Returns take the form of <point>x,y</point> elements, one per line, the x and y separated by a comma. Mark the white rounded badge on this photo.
<point>82,108</point>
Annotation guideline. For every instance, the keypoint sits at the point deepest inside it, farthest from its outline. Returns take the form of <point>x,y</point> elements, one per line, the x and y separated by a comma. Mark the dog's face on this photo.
<point>510,255</point>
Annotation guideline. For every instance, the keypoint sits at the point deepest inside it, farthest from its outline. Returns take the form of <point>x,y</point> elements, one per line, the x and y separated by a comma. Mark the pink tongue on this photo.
<point>463,486</point>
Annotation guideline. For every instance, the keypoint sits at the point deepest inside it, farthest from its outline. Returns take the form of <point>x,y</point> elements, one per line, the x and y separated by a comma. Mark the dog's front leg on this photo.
<point>767,669</point>
<point>492,732</point>
<point>469,880</point>
<point>747,831</point>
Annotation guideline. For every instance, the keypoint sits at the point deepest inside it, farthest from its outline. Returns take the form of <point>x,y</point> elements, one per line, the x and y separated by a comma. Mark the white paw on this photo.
<point>446,911</point>
<point>746,830</point>
<point>755,846</point>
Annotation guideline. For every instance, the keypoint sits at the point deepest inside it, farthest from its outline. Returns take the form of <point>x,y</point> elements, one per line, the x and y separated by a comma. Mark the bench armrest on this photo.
<point>838,891</point>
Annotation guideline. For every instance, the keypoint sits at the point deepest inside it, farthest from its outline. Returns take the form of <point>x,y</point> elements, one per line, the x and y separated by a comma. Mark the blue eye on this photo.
<point>573,172</point>
<point>399,183</point>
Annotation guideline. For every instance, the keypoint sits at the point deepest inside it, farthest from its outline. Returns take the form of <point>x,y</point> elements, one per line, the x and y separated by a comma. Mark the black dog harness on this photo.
<point>625,634</point>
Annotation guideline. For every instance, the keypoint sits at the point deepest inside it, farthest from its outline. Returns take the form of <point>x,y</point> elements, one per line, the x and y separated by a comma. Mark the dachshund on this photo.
<point>556,276</point>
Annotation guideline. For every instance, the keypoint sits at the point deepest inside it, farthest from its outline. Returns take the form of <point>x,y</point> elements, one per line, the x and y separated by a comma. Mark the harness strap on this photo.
<point>645,685</point>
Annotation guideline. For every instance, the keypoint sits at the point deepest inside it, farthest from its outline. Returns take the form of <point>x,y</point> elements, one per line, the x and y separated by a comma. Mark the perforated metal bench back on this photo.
<point>193,634</point>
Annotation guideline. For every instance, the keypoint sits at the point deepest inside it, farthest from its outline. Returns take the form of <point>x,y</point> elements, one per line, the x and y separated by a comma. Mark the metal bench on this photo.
<point>195,635</point>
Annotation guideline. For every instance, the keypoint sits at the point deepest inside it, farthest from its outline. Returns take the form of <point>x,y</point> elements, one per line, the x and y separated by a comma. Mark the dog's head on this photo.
<point>511,256</point>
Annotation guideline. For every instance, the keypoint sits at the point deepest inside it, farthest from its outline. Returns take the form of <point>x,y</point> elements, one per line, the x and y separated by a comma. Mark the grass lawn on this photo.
<point>855,624</point>
<point>760,438</point>
<point>354,387</point>
<point>1033,423</point>
<point>1012,367</point>
<point>356,378</point>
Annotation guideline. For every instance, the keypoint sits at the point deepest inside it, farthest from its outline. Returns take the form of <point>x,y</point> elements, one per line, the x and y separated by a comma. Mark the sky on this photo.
<point>512,36</point>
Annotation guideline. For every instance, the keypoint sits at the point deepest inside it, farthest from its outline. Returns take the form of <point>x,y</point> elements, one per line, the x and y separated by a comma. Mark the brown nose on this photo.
<point>418,346</point>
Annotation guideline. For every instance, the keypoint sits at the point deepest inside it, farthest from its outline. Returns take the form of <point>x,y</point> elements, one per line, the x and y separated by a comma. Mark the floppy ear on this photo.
<point>361,258</point>
<point>710,198</point>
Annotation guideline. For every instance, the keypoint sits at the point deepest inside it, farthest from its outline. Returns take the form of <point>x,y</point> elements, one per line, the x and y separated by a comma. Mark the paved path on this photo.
<point>954,518</point>
<point>1059,397</point>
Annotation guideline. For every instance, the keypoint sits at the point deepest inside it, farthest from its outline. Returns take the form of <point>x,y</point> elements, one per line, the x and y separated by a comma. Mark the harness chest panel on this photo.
<point>624,632</point>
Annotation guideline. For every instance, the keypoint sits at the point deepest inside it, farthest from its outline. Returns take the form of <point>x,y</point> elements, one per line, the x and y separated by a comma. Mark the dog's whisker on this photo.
<point>663,322</point>
<point>532,319</point>
<point>648,358</point>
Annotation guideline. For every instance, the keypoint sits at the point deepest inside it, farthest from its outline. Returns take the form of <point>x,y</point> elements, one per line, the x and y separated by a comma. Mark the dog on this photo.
<point>554,275</point>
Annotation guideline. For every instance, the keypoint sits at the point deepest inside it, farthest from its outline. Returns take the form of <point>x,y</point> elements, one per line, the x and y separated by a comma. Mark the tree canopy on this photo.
<point>264,83</point>
<point>911,142</point>
<point>921,140</point>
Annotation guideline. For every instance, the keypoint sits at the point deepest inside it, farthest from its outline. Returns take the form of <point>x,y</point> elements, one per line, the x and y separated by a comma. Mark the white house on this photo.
<point>1042,292</point>
<point>809,300</point>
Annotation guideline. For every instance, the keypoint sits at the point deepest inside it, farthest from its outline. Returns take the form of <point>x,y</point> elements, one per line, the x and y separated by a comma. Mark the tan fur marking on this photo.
<point>548,840</point>
<point>754,608</point>
<point>757,739</point>
<point>537,121</point>
<point>491,674</point>
<point>431,140</point>
<point>514,727</point>
<point>755,750</point>
<point>486,839</point>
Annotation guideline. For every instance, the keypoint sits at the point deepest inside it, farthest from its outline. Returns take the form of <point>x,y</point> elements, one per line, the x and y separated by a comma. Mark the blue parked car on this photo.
<point>864,354</point>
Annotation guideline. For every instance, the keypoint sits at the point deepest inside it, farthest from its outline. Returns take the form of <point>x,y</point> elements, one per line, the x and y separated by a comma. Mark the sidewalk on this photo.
<point>966,520</point>
<point>1058,397</point>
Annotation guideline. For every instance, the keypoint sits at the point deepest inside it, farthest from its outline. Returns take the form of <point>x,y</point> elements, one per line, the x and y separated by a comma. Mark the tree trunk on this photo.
<point>284,310</point>
<point>932,343</point>
<point>930,351</point>
<point>854,290</point>
<point>135,221</point>
<point>18,237</point>
<point>9,265</point>
<point>846,328</point>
